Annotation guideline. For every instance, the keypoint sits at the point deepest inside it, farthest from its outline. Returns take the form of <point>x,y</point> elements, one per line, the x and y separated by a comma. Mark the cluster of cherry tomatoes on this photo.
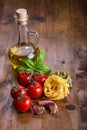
<point>30,86</point>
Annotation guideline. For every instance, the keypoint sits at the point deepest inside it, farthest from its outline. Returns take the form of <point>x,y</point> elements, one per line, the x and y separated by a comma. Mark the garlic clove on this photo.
<point>49,105</point>
<point>37,109</point>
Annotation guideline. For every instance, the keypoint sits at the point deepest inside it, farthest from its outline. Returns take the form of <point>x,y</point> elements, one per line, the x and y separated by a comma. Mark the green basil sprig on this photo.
<point>36,65</point>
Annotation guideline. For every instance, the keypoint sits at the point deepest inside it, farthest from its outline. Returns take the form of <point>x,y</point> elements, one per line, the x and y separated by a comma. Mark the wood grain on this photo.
<point>62,25</point>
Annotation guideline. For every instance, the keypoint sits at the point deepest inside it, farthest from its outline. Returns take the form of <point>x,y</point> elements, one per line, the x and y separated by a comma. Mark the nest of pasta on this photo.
<point>55,88</point>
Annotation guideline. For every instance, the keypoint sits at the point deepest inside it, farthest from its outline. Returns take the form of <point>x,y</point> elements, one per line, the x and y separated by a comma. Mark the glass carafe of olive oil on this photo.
<point>23,48</point>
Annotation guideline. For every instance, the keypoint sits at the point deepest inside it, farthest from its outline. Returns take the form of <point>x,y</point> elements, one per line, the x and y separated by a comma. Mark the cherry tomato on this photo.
<point>23,78</point>
<point>35,90</point>
<point>17,91</point>
<point>22,103</point>
<point>40,77</point>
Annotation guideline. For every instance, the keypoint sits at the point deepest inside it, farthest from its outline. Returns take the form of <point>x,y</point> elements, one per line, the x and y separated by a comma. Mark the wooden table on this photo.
<point>62,25</point>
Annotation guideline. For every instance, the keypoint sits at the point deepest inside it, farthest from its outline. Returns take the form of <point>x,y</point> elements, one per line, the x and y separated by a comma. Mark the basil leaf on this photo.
<point>37,70</point>
<point>20,68</point>
<point>44,68</point>
<point>39,65</point>
<point>30,70</point>
<point>28,62</point>
<point>40,58</point>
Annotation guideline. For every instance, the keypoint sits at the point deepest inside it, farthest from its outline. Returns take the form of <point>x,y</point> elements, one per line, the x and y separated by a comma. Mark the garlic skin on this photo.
<point>44,102</point>
<point>36,109</point>
<point>49,106</point>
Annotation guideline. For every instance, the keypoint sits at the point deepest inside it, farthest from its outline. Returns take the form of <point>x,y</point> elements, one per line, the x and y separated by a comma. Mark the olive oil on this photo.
<point>18,53</point>
<point>23,48</point>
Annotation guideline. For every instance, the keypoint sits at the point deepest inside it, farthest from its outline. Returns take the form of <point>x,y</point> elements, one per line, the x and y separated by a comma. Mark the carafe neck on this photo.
<point>23,37</point>
<point>21,19</point>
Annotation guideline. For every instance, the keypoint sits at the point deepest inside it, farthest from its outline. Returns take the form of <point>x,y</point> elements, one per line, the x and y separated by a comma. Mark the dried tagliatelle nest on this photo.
<point>55,88</point>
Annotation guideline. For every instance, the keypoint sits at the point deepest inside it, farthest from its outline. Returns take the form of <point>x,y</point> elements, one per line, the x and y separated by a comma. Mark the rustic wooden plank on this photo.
<point>2,69</point>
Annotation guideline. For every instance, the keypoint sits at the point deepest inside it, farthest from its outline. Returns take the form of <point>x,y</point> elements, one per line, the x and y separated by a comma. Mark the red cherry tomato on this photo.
<point>22,103</point>
<point>40,77</point>
<point>23,78</point>
<point>35,90</point>
<point>18,91</point>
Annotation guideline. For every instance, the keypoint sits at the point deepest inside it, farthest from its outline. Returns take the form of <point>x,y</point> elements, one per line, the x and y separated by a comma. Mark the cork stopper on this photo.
<point>22,16</point>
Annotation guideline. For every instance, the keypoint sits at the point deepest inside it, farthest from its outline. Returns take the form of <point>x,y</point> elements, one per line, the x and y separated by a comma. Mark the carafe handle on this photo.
<point>35,34</point>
